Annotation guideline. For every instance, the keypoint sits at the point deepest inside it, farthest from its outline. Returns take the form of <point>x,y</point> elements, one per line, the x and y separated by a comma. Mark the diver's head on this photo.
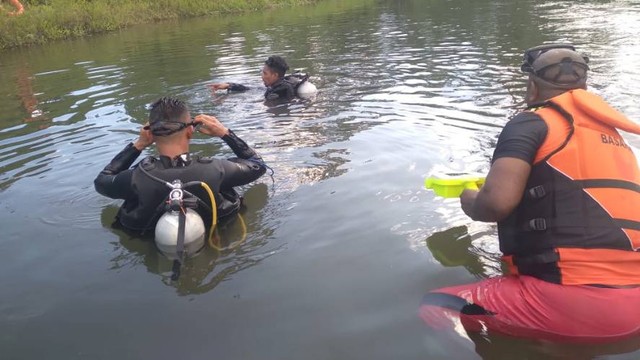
<point>170,123</point>
<point>553,69</point>
<point>274,69</point>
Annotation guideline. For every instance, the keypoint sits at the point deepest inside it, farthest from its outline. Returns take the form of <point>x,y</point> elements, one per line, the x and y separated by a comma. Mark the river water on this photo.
<point>343,242</point>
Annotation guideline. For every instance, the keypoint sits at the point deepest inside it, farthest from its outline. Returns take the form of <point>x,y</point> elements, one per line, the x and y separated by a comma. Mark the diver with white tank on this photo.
<point>174,192</point>
<point>280,87</point>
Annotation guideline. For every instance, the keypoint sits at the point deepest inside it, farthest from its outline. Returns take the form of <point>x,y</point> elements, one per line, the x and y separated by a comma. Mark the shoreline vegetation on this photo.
<point>48,20</point>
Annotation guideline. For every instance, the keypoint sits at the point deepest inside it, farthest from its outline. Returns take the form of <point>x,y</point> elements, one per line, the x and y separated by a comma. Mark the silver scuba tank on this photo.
<point>306,90</point>
<point>166,233</point>
<point>303,87</point>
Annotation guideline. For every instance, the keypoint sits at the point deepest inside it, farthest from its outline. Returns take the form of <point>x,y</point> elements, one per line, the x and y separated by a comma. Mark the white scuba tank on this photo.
<point>306,90</point>
<point>166,236</point>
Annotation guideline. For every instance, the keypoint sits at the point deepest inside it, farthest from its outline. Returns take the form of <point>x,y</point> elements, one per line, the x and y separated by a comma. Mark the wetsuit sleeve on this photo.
<point>239,147</point>
<point>247,167</point>
<point>521,137</point>
<point>114,180</point>
<point>237,87</point>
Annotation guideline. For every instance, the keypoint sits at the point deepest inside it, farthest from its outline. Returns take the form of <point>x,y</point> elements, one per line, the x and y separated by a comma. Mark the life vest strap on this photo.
<point>627,224</point>
<point>542,190</point>
<point>542,258</point>
<point>609,183</point>
<point>544,224</point>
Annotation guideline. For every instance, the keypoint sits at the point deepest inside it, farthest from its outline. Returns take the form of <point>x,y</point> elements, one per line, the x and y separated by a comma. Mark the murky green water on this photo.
<point>336,258</point>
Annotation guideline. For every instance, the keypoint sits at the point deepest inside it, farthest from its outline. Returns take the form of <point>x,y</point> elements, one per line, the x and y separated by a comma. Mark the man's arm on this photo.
<point>501,193</point>
<point>242,170</point>
<point>228,87</point>
<point>115,179</point>
<point>514,155</point>
<point>247,168</point>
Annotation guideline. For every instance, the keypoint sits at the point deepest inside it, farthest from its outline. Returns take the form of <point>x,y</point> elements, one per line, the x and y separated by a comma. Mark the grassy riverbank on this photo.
<point>46,20</point>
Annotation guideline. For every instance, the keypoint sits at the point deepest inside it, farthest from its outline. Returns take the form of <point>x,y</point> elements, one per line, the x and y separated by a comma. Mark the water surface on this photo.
<point>343,243</point>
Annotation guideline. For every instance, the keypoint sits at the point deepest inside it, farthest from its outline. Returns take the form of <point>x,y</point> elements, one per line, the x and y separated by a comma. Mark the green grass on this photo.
<point>46,20</point>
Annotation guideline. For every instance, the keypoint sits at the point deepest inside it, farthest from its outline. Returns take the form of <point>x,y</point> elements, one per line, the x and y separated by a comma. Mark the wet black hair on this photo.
<point>167,109</point>
<point>277,64</point>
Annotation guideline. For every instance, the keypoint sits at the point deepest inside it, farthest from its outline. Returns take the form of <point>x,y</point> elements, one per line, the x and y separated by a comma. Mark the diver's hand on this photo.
<point>144,139</point>
<point>219,86</point>
<point>211,125</point>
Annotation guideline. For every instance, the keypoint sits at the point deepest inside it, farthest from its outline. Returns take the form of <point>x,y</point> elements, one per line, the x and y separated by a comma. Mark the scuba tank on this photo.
<point>301,84</point>
<point>180,231</point>
<point>306,90</point>
<point>168,232</point>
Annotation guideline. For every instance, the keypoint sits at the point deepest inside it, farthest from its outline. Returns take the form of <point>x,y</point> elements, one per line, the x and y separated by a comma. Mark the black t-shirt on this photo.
<point>521,137</point>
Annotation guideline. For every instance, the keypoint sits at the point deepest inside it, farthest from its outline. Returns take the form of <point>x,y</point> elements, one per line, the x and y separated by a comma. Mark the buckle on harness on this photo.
<point>537,192</point>
<point>538,224</point>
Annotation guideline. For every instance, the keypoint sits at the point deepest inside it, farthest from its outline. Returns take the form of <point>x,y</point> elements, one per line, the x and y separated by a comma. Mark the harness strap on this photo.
<point>177,263</point>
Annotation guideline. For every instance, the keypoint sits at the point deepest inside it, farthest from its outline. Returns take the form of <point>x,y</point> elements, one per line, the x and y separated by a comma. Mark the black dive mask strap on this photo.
<point>166,128</point>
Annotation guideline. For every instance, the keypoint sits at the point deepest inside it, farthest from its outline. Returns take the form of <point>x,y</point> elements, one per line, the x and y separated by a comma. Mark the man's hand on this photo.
<point>144,139</point>
<point>219,86</point>
<point>467,199</point>
<point>211,125</point>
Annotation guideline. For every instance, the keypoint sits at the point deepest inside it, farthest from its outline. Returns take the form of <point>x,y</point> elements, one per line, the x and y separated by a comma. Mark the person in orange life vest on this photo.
<point>564,188</point>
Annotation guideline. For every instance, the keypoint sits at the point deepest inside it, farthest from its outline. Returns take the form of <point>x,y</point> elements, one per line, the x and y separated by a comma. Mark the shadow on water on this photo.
<point>236,247</point>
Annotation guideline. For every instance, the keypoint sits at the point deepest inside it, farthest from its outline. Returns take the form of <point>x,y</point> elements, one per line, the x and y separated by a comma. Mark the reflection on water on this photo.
<point>335,260</point>
<point>455,247</point>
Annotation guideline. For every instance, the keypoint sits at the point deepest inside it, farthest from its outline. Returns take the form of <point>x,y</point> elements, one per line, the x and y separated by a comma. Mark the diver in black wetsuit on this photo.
<point>171,128</point>
<point>279,86</point>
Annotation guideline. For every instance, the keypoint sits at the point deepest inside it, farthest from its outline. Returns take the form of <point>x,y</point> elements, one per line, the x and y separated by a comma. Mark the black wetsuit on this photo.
<point>144,196</point>
<point>283,89</point>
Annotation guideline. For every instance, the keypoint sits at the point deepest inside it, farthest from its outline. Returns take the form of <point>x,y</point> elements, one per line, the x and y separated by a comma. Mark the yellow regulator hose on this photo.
<point>214,222</point>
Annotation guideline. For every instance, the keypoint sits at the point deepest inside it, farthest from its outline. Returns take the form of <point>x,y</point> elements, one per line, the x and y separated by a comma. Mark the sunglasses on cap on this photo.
<point>166,128</point>
<point>530,55</point>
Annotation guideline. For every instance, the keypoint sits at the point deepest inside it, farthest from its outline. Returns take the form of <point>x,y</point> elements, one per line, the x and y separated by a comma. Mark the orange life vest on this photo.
<point>579,219</point>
